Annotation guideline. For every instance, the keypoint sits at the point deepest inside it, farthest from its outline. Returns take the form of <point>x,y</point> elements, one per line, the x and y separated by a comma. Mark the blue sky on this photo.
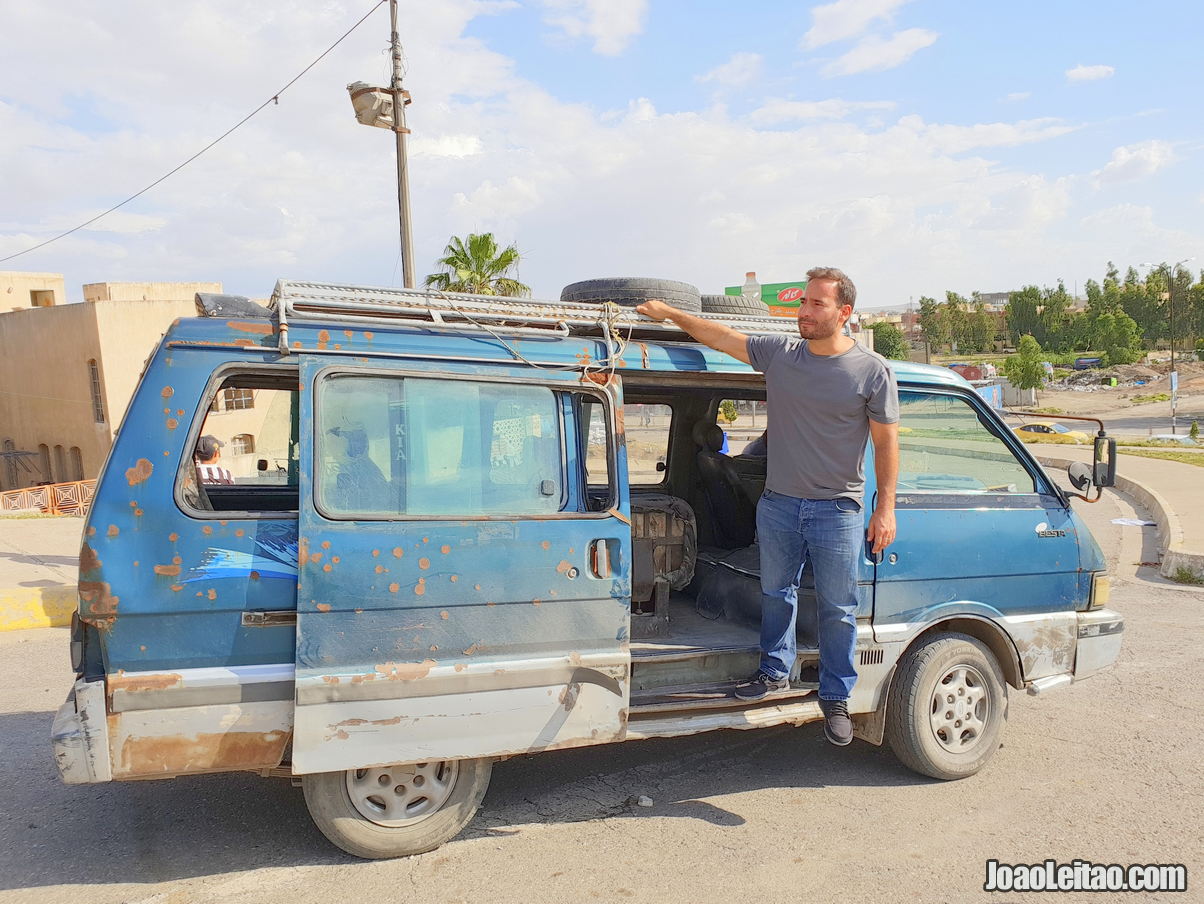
<point>923,145</point>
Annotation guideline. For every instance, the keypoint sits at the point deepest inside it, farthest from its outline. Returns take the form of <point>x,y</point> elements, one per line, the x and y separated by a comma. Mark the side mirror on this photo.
<point>1080,475</point>
<point>1104,472</point>
<point>261,465</point>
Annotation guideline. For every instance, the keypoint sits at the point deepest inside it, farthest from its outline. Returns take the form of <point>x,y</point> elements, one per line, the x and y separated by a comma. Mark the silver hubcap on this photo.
<point>399,795</point>
<point>960,709</point>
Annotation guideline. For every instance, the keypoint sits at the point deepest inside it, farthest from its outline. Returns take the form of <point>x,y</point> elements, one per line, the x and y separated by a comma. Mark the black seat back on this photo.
<point>732,516</point>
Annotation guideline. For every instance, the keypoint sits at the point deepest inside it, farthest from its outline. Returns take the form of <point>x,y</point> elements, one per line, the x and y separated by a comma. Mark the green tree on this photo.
<point>476,265</point>
<point>981,333</point>
<point>727,410</point>
<point>889,341</point>
<point>957,322</point>
<point>1024,369</point>
<point>1021,313</point>
<point>1118,337</point>
<point>932,323</point>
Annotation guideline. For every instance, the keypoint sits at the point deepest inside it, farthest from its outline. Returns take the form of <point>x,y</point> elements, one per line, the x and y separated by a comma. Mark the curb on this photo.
<point>1170,531</point>
<point>37,607</point>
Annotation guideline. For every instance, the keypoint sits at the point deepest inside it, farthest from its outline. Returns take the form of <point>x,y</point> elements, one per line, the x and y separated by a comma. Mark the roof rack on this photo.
<point>492,314</point>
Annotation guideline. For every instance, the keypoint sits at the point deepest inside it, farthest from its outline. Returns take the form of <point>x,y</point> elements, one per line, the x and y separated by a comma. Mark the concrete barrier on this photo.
<point>36,607</point>
<point>1170,532</point>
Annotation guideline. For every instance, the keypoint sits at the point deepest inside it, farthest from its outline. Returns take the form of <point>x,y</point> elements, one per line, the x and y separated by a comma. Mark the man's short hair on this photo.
<point>207,446</point>
<point>846,292</point>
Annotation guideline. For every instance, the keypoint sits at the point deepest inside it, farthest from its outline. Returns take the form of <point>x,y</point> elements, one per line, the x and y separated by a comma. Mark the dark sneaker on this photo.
<point>761,687</point>
<point>838,727</point>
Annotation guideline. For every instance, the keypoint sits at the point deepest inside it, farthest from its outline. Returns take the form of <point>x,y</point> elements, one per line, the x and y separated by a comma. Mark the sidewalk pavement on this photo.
<point>39,557</point>
<point>39,564</point>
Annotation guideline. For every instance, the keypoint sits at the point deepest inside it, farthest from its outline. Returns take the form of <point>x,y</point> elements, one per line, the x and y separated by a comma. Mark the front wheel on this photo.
<point>396,811</point>
<point>947,707</point>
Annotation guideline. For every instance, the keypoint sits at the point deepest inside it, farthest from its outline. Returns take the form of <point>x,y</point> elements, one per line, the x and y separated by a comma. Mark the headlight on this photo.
<point>1101,590</point>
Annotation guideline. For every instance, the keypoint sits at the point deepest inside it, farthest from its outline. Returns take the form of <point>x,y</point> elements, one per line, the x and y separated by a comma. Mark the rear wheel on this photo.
<point>396,811</point>
<point>947,707</point>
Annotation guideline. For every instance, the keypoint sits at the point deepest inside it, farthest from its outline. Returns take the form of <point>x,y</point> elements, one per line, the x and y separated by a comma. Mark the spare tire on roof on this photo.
<point>734,304</point>
<point>632,290</point>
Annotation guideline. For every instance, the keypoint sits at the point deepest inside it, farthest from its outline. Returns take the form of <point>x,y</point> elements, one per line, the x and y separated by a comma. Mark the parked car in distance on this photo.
<point>1049,432</point>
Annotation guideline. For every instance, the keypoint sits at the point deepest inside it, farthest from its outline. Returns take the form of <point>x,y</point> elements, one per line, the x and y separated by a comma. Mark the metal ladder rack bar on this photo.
<point>483,313</point>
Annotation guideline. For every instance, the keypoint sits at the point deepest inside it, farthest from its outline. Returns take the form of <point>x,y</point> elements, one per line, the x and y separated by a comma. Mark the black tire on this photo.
<point>969,735</point>
<point>346,826</point>
<point>733,304</point>
<point>632,290</point>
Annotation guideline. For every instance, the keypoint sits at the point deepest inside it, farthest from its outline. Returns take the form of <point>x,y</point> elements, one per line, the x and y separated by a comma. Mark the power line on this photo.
<point>275,98</point>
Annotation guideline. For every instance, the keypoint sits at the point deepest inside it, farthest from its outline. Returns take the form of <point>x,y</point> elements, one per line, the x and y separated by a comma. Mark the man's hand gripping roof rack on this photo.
<point>490,314</point>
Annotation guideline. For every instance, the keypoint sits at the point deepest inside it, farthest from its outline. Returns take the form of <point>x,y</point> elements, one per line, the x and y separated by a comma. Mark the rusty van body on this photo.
<point>458,529</point>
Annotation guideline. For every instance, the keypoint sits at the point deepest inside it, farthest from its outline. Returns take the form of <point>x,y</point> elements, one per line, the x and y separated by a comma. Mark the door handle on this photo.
<point>599,559</point>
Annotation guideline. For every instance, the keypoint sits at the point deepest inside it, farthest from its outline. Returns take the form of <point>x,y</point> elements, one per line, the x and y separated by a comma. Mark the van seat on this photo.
<point>664,543</point>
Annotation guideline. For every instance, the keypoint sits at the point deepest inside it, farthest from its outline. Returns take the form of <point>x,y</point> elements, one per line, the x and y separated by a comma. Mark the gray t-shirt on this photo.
<point>819,412</point>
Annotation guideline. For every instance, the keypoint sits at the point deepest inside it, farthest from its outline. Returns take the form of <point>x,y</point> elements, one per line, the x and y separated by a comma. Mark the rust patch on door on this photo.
<point>405,671</point>
<point>139,472</point>
<point>102,605</point>
<point>168,570</point>
<point>88,560</point>
<point>206,752</point>
<point>167,392</point>
<point>323,339</point>
<point>120,682</point>
<point>261,329</point>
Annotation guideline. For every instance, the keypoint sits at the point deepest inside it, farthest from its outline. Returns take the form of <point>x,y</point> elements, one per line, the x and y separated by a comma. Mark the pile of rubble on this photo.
<point>1145,378</point>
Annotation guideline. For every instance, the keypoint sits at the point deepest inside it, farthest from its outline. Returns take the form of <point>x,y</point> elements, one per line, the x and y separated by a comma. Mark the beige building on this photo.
<point>19,291</point>
<point>67,372</point>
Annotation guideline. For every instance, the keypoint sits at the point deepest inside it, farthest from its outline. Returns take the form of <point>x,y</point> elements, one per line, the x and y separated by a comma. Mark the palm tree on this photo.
<point>475,265</point>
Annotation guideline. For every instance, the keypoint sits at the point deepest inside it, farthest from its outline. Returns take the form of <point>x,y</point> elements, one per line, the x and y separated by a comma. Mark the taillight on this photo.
<point>1101,590</point>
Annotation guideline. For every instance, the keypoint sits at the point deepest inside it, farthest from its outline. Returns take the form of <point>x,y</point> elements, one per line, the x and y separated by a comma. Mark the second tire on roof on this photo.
<point>632,290</point>
<point>734,304</point>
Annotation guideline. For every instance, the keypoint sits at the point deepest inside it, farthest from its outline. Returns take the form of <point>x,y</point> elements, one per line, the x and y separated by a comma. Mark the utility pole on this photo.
<point>400,99</point>
<point>385,108</point>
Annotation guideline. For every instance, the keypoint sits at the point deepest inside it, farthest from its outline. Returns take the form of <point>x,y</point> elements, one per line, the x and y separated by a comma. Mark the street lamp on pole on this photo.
<point>1170,298</point>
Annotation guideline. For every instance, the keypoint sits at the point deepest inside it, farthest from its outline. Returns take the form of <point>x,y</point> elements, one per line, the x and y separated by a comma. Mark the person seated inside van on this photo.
<point>208,453</point>
<point>359,482</point>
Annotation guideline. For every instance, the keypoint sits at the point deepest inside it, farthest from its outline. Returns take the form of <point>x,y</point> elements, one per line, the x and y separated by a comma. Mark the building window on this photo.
<point>44,461</point>
<point>98,408</point>
<point>243,444</point>
<point>77,464</point>
<point>238,399</point>
<point>60,463</point>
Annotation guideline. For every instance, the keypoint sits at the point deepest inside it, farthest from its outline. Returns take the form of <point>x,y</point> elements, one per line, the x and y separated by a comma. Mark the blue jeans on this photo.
<point>831,532</point>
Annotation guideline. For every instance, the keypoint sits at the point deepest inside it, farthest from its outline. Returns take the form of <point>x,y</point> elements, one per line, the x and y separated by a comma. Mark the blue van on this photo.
<point>427,532</point>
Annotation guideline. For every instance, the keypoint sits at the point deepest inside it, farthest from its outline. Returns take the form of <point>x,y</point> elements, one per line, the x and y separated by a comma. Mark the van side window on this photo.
<point>648,428</point>
<point>245,456</point>
<point>409,446</point>
<point>945,448</point>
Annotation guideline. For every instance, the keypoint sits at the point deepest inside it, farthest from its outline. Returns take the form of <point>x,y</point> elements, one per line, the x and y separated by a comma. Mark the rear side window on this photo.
<point>415,447</point>
<point>245,457</point>
<point>648,428</point>
<point>944,447</point>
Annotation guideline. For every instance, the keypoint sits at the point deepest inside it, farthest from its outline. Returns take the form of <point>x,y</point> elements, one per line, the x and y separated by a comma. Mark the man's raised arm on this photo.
<point>708,332</point>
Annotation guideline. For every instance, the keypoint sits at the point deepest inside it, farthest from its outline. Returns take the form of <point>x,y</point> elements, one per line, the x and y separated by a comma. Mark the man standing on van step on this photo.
<point>828,395</point>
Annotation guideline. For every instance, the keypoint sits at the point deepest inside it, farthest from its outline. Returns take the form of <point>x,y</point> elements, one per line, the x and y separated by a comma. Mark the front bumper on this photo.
<point>80,735</point>
<point>1100,633</point>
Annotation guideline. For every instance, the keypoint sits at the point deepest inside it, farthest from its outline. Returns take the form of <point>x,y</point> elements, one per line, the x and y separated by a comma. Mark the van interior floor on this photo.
<point>699,662</point>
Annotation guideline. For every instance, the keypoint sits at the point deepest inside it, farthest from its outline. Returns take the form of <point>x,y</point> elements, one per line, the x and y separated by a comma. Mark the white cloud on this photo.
<point>1136,161</point>
<point>775,111</point>
<point>1017,96</point>
<point>950,139</point>
<point>1083,73</point>
<point>610,23</point>
<point>875,54</point>
<point>910,207</point>
<point>845,19</point>
<point>742,69</point>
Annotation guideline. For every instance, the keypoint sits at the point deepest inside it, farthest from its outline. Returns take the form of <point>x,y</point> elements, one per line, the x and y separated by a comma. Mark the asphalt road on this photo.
<point>1108,770</point>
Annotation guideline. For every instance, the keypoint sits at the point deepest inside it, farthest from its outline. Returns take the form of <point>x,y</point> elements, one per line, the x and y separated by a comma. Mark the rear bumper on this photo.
<point>1099,637</point>
<point>80,735</point>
